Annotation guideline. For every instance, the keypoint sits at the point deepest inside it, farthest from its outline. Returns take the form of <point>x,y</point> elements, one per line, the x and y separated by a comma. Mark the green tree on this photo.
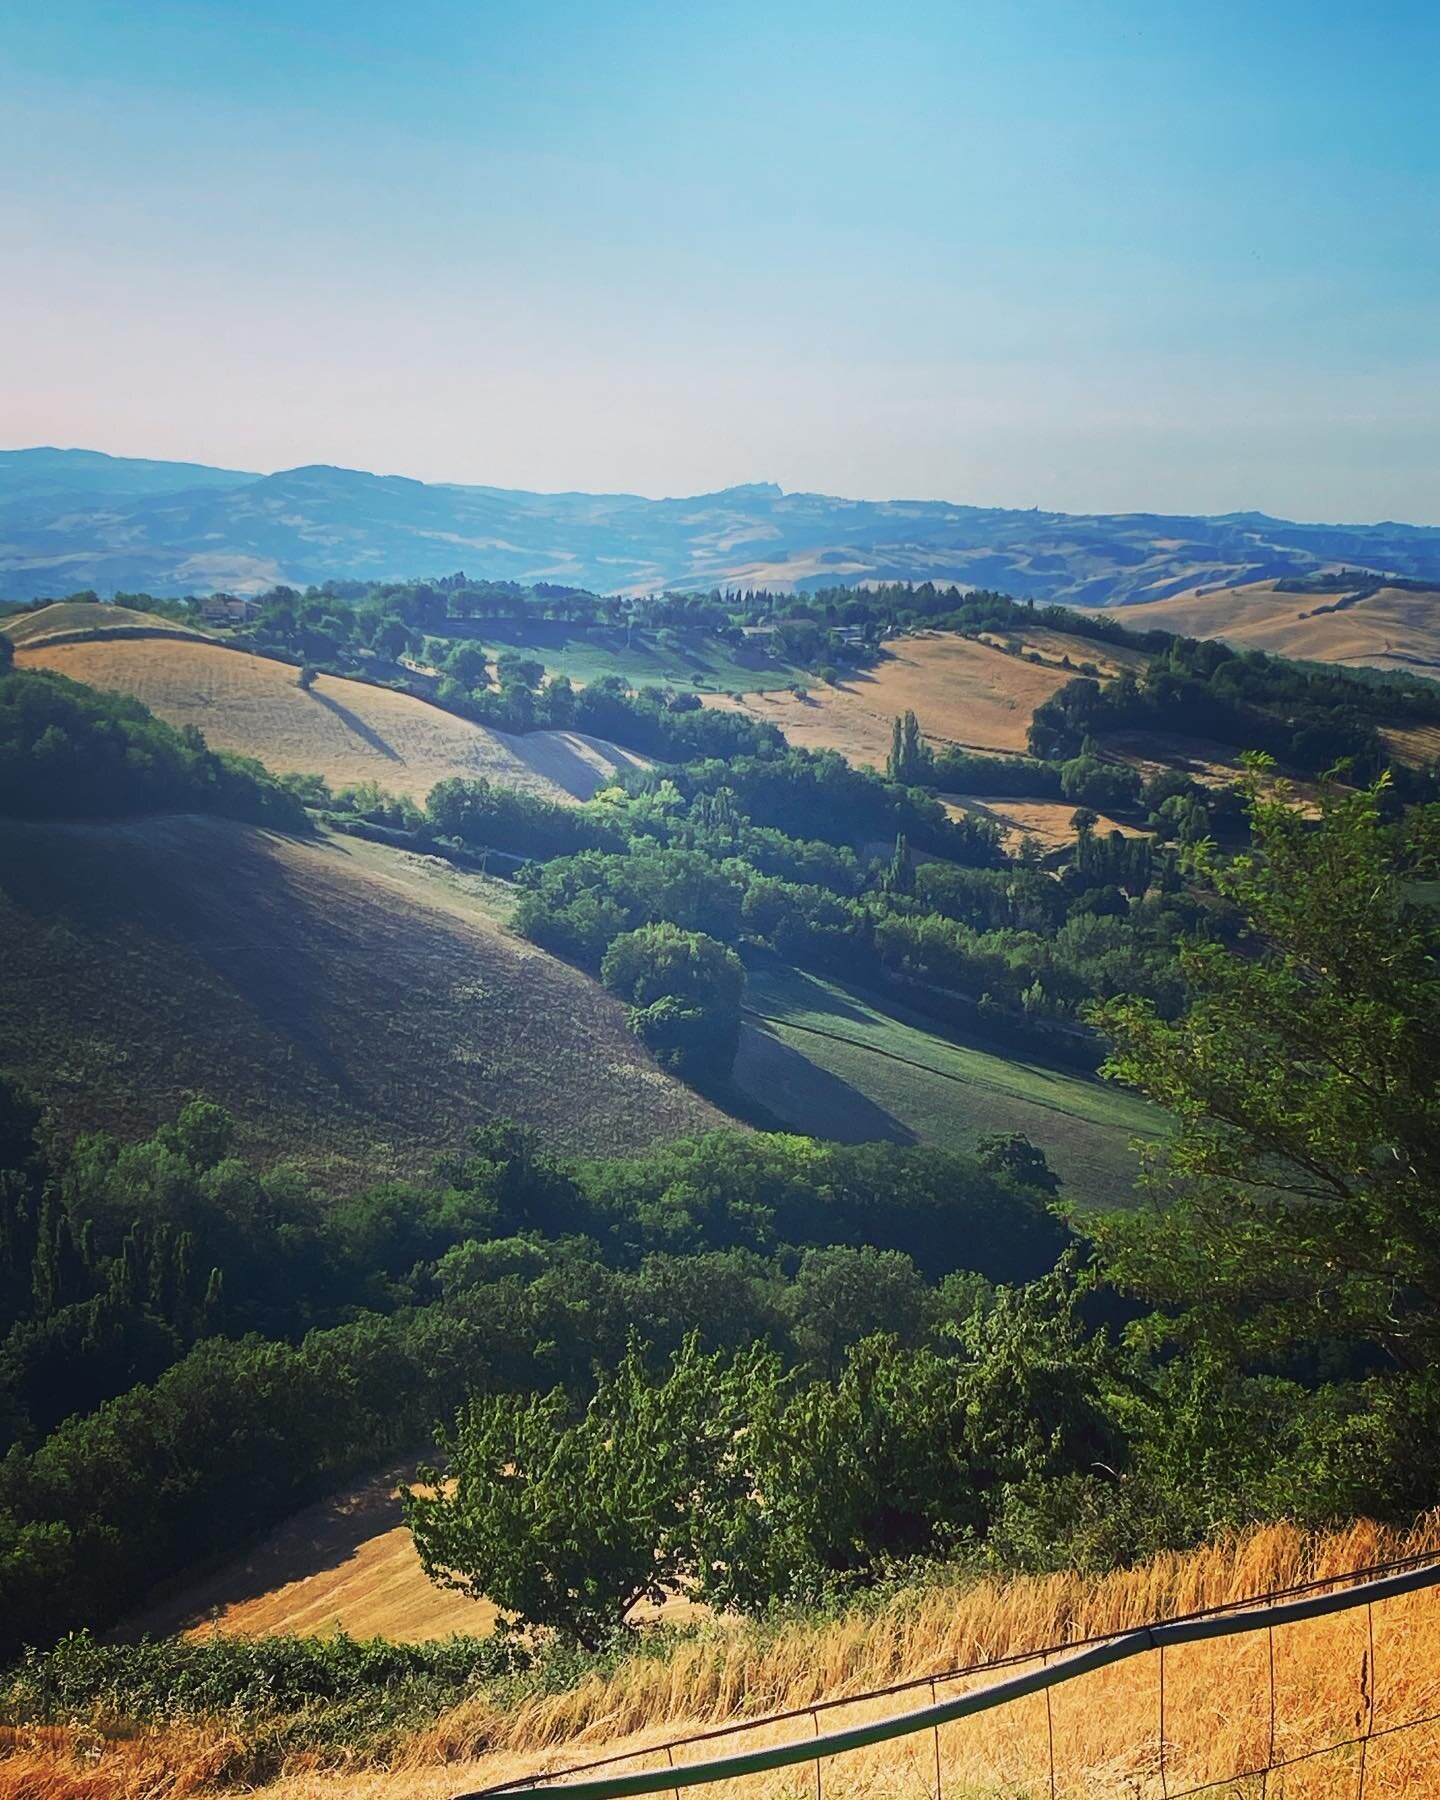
<point>468,665</point>
<point>1302,1188</point>
<point>842,1294</point>
<point>1012,1153</point>
<point>910,760</point>
<point>570,1524</point>
<point>517,671</point>
<point>684,991</point>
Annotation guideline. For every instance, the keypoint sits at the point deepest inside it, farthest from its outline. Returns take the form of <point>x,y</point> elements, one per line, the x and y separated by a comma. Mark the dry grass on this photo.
<point>1105,1724</point>
<point>1047,821</point>
<point>353,1013</point>
<point>1393,628</point>
<point>346,731</point>
<point>1217,1696</point>
<point>68,619</point>
<point>963,693</point>
<point>1109,659</point>
<point>61,1763</point>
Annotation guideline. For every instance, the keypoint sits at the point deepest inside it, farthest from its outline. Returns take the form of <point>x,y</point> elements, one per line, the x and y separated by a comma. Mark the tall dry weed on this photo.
<point>1101,1735</point>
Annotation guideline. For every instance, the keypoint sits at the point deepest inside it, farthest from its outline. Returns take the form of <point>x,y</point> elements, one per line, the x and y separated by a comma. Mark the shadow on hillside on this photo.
<point>804,1097</point>
<point>353,722</point>
<point>319,1538</point>
<point>794,994</point>
<point>559,760</point>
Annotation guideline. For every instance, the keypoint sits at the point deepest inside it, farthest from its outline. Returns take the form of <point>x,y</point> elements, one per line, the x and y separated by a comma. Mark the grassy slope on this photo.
<point>830,1062</point>
<point>694,659</point>
<point>334,996</point>
<point>346,731</point>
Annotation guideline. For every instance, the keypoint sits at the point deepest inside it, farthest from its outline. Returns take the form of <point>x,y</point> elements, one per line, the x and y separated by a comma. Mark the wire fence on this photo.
<point>1327,1688</point>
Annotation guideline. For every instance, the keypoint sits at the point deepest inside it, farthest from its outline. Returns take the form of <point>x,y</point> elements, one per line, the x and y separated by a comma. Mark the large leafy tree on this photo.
<point>1298,1200</point>
<point>568,1523</point>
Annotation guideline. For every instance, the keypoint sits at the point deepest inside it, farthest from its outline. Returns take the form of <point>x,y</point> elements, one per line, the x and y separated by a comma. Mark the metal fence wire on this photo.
<point>1274,1754</point>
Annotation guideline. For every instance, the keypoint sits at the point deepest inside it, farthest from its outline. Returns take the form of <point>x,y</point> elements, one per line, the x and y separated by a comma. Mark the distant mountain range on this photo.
<point>73,519</point>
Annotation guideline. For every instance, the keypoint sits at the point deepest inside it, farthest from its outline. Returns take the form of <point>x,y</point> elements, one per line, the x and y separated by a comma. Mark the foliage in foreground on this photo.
<point>1302,1190</point>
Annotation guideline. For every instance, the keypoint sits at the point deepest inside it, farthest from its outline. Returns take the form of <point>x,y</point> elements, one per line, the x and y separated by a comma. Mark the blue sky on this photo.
<point>1093,256</point>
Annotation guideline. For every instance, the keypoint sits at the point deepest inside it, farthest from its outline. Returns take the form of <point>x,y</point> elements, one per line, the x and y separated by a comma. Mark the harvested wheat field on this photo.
<point>347,1563</point>
<point>1047,821</point>
<point>345,731</point>
<point>1393,628</point>
<point>1418,744</point>
<point>1332,1678</point>
<point>70,619</point>
<point>963,693</point>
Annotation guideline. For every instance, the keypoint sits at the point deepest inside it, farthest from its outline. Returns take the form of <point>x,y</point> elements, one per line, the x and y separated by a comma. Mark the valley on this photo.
<point>750,1109</point>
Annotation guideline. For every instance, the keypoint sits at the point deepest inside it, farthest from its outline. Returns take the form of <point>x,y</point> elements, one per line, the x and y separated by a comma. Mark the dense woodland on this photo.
<point>979,1373</point>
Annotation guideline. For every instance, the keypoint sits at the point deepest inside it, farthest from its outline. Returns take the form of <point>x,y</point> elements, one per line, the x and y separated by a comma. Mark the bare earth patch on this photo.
<point>354,1015</point>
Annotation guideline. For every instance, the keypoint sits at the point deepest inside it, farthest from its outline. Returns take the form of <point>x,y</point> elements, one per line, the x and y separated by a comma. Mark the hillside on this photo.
<point>65,620</point>
<point>345,731</point>
<point>73,519</point>
<point>1396,628</point>
<point>832,1062</point>
<point>351,1011</point>
<point>963,692</point>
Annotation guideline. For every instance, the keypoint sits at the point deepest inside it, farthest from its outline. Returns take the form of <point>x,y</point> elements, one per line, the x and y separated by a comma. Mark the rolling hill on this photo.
<point>963,692</point>
<point>356,1006</point>
<point>1376,627</point>
<point>346,731</point>
<point>75,621</point>
<point>74,519</point>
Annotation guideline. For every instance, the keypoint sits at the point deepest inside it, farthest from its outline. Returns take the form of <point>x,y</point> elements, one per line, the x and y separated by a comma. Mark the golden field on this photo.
<point>1394,628</point>
<point>963,693</point>
<point>346,731</point>
<point>1047,821</point>
<point>66,620</point>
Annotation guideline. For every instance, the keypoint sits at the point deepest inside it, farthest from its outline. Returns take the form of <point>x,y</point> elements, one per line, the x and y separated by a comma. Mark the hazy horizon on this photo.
<point>759,481</point>
<point>1139,259</point>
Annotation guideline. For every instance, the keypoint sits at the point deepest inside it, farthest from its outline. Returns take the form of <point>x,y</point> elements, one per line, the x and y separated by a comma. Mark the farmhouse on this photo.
<point>228,609</point>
